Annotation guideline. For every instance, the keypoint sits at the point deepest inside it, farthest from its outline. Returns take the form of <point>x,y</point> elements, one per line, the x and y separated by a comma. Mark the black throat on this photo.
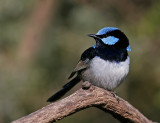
<point>111,53</point>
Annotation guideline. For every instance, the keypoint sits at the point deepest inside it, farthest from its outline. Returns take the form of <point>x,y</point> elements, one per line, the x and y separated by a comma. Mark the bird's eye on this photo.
<point>104,36</point>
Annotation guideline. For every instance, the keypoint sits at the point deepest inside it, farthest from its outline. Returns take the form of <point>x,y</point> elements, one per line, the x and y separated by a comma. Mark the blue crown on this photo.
<point>106,30</point>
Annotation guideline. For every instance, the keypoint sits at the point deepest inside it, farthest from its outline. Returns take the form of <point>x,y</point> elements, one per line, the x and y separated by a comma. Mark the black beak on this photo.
<point>93,36</point>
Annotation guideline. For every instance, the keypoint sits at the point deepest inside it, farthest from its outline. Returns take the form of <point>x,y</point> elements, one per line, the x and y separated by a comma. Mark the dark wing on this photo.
<point>80,66</point>
<point>84,61</point>
<point>83,64</point>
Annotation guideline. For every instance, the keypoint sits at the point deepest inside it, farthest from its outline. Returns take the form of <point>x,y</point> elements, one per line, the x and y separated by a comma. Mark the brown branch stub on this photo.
<point>82,99</point>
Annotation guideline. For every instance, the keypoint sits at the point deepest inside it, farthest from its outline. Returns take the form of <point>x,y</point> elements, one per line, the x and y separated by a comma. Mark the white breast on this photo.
<point>106,74</point>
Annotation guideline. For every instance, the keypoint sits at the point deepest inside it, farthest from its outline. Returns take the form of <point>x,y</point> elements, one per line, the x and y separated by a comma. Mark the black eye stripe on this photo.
<point>115,33</point>
<point>118,34</point>
<point>102,36</point>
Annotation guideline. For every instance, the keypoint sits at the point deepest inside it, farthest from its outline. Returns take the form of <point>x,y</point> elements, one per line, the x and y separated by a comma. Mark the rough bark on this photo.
<point>82,99</point>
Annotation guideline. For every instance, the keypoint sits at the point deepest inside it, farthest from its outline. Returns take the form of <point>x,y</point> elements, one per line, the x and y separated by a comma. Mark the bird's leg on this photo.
<point>114,93</point>
<point>86,85</point>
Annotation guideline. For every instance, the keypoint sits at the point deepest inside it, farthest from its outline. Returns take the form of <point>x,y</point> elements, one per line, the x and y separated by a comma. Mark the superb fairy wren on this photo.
<point>105,64</point>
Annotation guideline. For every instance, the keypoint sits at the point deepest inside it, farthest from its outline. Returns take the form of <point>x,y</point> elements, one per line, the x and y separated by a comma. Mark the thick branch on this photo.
<point>81,99</point>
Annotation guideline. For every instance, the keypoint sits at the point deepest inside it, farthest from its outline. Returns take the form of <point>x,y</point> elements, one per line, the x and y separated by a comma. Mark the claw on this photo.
<point>115,95</point>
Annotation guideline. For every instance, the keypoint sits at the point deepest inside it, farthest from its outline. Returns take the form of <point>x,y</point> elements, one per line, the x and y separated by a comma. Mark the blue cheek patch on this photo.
<point>128,48</point>
<point>110,40</point>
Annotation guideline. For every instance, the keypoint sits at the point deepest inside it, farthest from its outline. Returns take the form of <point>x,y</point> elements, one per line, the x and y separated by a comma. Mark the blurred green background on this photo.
<point>42,40</point>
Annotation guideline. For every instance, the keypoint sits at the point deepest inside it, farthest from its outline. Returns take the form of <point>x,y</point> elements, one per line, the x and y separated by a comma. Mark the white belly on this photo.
<point>105,74</point>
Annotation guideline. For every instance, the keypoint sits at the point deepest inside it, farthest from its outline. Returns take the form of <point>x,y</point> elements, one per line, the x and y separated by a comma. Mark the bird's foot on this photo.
<point>86,85</point>
<point>115,95</point>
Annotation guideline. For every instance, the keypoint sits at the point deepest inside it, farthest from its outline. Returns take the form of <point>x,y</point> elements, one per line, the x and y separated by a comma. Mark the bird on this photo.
<point>105,64</point>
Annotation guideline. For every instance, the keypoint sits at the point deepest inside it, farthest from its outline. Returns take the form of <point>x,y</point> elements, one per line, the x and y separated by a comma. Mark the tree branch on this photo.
<point>82,99</point>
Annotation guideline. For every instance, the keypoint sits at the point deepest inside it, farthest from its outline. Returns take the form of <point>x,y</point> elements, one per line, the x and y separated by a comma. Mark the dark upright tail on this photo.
<point>64,90</point>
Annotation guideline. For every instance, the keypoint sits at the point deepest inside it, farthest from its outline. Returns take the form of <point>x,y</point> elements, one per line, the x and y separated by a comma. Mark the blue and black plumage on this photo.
<point>105,64</point>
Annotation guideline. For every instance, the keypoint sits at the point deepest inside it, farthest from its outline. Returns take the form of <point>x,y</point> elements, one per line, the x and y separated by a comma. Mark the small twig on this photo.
<point>82,99</point>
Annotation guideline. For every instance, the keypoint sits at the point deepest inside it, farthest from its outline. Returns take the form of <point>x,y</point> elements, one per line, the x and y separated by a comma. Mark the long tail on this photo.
<point>64,90</point>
